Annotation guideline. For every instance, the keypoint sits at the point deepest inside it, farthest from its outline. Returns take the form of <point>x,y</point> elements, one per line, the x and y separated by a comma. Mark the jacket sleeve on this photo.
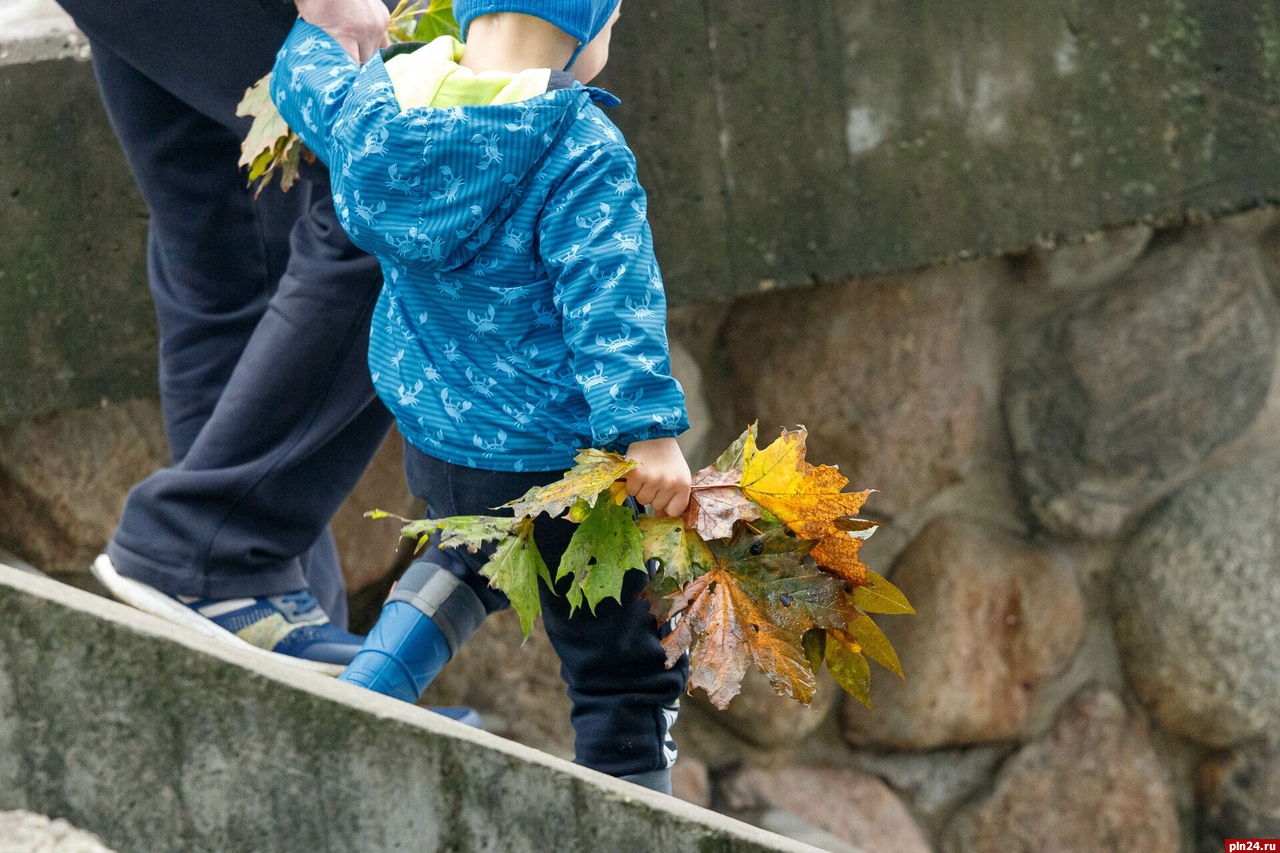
<point>310,83</point>
<point>595,242</point>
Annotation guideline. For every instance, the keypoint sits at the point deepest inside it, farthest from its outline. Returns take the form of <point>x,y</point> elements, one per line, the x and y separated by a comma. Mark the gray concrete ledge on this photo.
<point>35,30</point>
<point>137,731</point>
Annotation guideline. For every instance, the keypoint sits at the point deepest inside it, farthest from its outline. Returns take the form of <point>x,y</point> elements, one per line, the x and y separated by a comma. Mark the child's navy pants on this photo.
<point>624,698</point>
<point>263,307</point>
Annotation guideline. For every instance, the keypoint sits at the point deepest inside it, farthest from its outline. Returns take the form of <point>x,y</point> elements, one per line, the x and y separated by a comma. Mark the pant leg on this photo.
<point>216,256</point>
<point>289,436</point>
<point>624,698</point>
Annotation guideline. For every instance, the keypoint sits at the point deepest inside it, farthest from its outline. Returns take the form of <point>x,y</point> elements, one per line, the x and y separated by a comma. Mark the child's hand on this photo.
<point>661,479</point>
<point>358,26</point>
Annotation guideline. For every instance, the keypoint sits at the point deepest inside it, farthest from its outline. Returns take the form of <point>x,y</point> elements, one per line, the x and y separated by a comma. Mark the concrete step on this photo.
<point>156,740</point>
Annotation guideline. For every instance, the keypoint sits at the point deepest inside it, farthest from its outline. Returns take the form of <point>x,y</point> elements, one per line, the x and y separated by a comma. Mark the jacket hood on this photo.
<point>452,175</point>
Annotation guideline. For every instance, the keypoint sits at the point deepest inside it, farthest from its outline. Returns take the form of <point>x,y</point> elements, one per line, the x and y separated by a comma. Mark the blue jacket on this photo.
<point>522,314</point>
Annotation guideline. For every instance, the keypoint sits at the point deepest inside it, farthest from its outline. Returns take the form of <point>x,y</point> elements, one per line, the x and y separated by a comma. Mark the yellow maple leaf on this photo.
<point>595,472</point>
<point>807,498</point>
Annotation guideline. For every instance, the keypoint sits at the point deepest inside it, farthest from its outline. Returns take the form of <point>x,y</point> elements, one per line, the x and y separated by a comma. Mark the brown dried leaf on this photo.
<point>755,607</point>
<point>716,502</point>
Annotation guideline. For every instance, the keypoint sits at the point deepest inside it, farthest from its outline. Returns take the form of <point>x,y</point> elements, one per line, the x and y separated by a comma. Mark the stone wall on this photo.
<point>1077,452</point>
<point>1076,445</point>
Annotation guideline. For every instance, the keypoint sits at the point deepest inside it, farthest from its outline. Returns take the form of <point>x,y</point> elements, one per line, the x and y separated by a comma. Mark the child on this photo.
<point>522,317</point>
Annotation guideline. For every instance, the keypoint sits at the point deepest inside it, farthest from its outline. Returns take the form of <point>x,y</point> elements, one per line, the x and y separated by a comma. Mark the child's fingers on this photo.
<point>645,496</point>
<point>672,500</point>
<point>679,501</point>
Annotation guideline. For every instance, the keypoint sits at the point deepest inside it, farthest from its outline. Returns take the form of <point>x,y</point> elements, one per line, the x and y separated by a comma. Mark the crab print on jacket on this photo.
<point>522,314</point>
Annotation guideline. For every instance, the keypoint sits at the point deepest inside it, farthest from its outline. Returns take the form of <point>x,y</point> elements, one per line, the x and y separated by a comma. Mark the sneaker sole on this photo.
<point>148,599</point>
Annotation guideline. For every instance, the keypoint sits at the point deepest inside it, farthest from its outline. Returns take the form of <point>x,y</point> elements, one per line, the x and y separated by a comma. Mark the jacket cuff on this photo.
<point>625,440</point>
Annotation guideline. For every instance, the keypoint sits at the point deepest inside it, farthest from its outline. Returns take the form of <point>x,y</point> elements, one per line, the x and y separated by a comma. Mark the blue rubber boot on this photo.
<point>403,653</point>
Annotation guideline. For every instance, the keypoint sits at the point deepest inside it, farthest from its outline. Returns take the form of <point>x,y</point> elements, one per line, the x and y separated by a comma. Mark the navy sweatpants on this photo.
<point>263,307</point>
<point>624,698</point>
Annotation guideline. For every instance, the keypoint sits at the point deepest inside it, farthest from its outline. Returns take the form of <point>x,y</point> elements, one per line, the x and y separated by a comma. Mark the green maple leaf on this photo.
<point>436,21</point>
<point>606,545</point>
<point>733,457</point>
<point>874,643</point>
<point>472,531</point>
<point>847,665</point>
<point>515,569</point>
<point>680,552</point>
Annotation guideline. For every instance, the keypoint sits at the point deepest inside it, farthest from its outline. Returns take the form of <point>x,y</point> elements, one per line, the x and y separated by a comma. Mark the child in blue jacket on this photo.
<point>522,318</point>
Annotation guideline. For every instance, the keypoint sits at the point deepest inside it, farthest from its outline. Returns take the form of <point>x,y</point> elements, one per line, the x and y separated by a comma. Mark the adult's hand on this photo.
<point>360,26</point>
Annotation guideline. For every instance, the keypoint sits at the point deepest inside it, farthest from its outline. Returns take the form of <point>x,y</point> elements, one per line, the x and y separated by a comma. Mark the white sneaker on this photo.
<point>148,599</point>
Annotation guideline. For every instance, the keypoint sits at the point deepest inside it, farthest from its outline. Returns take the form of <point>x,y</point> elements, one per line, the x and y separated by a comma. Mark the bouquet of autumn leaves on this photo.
<point>761,569</point>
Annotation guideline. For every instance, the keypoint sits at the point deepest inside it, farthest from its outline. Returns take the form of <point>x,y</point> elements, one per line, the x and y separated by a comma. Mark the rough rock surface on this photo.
<point>995,616</point>
<point>368,549</point>
<point>1197,590</point>
<point>1127,388</point>
<point>516,687</point>
<point>1093,783</point>
<point>874,369</point>
<point>691,781</point>
<point>852,806</point>
<point>761,717</point>
<point>1100,258</point>
<point>64,478</point>
<point>935,783</point>
<point>1240,795</point>
<point>24,832</point>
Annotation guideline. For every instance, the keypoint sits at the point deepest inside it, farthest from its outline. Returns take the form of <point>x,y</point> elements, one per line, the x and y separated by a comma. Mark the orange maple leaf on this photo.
<point>754,607</point>
<point>838,553</point>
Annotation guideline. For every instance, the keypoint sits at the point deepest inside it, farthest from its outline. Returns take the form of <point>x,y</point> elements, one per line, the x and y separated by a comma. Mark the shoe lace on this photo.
<point>303,600</point>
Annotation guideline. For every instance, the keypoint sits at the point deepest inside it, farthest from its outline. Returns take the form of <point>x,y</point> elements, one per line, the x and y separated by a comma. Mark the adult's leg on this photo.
<point>215,257</point>
<point>289,436</point>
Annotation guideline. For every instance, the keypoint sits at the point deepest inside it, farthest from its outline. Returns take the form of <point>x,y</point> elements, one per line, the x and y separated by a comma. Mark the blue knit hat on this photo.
<point>582,19</point>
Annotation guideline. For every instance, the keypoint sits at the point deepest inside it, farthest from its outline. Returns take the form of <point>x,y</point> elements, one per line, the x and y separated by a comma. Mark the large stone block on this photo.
<point>64,477</point>
<point>935,129</point>
<point>995,617</point>
<point>874,368</point>
<point>854,807</point>
<point>1240,795</point>
<point>927,132</point>
<point>1197,590</point>
<point>1093,783</point>
<point>761,717</point>
<point>76,322</point>
<point>1118,394</point>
